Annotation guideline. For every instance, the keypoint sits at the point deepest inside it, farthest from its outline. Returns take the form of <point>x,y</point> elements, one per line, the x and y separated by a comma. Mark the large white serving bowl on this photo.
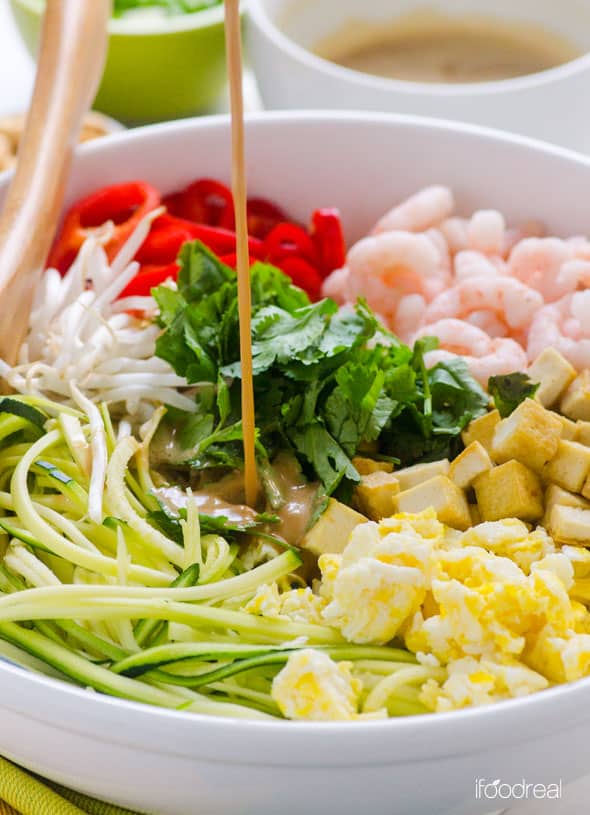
<point>172,763</point>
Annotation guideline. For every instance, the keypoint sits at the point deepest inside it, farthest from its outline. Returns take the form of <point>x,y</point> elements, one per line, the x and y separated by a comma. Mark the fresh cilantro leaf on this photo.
<point>326,380</point>
<point>509,390</point>
<point>328,460</point>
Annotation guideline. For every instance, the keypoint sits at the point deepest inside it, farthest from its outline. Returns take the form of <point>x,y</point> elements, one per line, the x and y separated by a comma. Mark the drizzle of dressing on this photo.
<point>233,40</point>
<point>208,503</point>
<point>233,496</point>
<point>299,498</point>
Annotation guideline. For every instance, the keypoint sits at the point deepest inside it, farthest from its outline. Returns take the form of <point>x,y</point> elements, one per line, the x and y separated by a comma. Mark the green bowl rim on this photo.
<point>167,25</point>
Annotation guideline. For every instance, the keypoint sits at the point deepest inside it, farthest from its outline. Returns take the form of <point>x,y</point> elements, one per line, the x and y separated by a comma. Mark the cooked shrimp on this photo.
<point>574,274</point>
<point>442,247</point>
<point>457,337</point>
<point>336,286</point>
<point>537,262</point>
<point>514,235</point>
<point>483,355</point>
<point>474,264</point>
<point>565,326</point>
<point>489,322</point>
<point>409,314</point>
<point>426,208</point>
<point>486,232</point>
<point>455,231</point>
<point>384,268</point>
<point>512,301</point>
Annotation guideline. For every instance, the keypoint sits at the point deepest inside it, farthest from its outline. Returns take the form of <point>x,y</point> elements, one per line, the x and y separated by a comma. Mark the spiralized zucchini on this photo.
<point>92,591</point>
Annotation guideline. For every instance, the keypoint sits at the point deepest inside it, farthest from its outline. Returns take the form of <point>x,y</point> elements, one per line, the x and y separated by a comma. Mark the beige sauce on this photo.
<point>298,498</point>
<point>208,503</point>
<point>234,69</point>
<point>426,46</point>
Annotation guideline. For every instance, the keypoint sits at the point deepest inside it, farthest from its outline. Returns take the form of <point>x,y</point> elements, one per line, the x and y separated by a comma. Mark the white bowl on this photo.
<point>549,105</point>
<point>173,763</point>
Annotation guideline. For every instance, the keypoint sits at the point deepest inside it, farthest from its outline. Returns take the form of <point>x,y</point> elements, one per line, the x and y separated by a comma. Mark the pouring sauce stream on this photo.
<point>234,70</point>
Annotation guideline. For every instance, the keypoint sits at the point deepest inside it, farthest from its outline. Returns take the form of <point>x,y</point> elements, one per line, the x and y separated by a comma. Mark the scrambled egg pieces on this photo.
<point>313,686</point>
<point>491,606</point>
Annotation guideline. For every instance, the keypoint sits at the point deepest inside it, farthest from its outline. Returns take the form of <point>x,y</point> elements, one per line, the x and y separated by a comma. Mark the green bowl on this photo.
<point>156,69</point>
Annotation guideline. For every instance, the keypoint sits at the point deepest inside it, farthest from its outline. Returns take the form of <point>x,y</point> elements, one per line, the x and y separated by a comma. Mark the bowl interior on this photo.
<point>307,23</point>
<point>363,164</point>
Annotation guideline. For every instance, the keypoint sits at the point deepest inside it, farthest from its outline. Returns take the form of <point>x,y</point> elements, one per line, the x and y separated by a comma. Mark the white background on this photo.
<point>16,80</point>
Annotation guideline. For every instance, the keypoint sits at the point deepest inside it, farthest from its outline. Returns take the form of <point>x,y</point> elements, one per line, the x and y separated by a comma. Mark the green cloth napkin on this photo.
<point>24,794</point>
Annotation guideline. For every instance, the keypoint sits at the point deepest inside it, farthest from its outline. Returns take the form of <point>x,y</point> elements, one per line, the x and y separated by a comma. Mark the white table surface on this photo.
<point>16,82</point>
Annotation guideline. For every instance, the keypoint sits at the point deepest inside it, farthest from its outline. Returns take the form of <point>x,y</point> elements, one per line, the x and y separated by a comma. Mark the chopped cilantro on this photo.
<point>509,390</point>
<point>327,381</point>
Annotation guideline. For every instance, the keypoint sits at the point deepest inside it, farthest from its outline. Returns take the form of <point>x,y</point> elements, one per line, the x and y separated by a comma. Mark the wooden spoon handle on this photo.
<point>71,59</point>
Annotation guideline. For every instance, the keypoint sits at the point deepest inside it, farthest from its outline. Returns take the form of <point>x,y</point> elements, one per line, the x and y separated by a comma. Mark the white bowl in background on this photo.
<point>173,763</point>
<point>550,105</point>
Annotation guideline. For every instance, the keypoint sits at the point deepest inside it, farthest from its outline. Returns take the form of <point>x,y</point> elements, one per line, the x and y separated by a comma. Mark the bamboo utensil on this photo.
<point>71,59</point>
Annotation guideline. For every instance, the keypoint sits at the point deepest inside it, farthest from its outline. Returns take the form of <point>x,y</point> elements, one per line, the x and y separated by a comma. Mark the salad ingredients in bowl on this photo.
<point>416,553</point>
<point>413,550</point>
<point>121,8</point>
<point>165,60</point>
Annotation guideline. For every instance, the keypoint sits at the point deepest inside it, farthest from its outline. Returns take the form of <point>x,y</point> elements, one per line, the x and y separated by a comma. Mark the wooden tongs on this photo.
<point>71,61</point>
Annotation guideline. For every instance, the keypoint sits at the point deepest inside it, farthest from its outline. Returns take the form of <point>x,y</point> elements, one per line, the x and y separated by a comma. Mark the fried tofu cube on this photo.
<point>556,496</point>
<point>569,467</point>
<point>553,373</point>
<point>575,402</point>
<point>366,466</point>
<point>510,490</point>
<point>570,525</point>
<point>443,495</point>
<point>586,489</point>
<point>330,533</point>
<point>531,435</point>
<point>569,429</point>
<point>473,461</point>
<point>482,430</point>
<point>582,435</point>
<point>412,476</point>
<point>475,514</point>
<point>375,495</point>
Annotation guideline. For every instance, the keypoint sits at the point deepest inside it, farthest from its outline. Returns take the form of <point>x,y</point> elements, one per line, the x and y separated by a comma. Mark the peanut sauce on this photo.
<point>233,39</point>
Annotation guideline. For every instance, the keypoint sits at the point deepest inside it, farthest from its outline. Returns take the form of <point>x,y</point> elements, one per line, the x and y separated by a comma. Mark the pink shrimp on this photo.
<point>537,262</point>
<point>409,314</point>
<point>483,355</point>
<point>489,322</point>
<point>384,268</point>
<point>455,231</point>
<point>442,247</point>
<point>426,208</point>
<point>336,286</point>
<point>474,264</point>
<point>514,235</point>
<point>486,232</point>
<point>565,326</point>
<point>513,302</point>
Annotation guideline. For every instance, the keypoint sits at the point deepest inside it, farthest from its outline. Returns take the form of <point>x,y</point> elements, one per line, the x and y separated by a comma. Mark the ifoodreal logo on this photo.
<point>497,789</point>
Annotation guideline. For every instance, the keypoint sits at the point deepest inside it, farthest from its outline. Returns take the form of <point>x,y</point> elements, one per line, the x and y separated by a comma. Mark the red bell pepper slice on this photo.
<point>124,204</point>
<point>328,237</point>
<point>149,277</point>
<point>205,201</point>
<point>168,234</point>
<point>289,240</point>
<point>231,260</point>
<point>304,275</point>
<point>263,215</point>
